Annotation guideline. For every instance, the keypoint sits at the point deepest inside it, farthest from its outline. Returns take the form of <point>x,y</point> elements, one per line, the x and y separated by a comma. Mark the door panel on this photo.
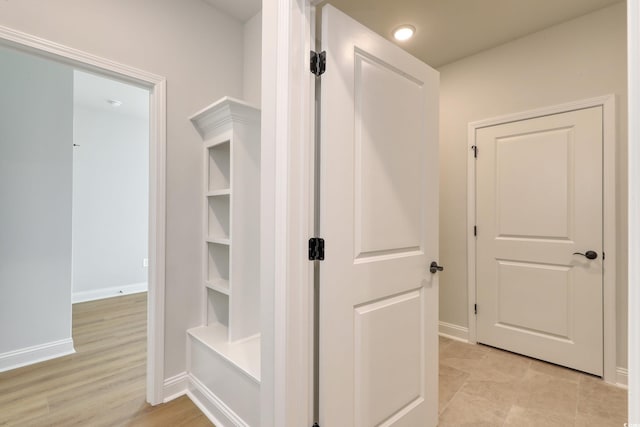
<point>387,211</point>
<point>539,200</point>
<point>378,216</point>
<point>387,380</point>
<point>535,166</point>
<point>527,290</point>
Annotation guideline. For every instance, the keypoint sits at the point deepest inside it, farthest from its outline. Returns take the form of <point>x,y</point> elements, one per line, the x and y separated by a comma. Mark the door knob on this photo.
<point>434,267</point>
<point>588,254</point>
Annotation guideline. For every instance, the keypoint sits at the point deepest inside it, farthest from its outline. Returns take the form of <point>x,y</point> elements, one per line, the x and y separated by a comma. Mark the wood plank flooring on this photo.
<point>102,384</point>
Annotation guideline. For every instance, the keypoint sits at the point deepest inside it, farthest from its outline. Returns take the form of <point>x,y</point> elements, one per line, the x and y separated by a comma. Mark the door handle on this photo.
<point>588,254</point>
<point>434,267</point>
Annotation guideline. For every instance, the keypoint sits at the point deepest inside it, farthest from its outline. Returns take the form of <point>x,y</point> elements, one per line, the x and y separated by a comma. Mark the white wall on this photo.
<point>36,113</point>
<point>199,51</point>
<point>579,59</point>
<point>110,199</point>
<point>253,59</point>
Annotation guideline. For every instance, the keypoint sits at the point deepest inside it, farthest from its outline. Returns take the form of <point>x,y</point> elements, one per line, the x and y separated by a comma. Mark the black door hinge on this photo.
<point>475,151</point>
<point>475,308</point>
<point>475,230</point>
<point>316,249</point>
<point>318,63</point>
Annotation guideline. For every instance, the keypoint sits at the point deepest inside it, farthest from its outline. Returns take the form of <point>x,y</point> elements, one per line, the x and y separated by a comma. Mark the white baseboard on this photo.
<point>454,332</point>
<point>210,405</point>
<point>116,291</point>
<point>622,377</point>
<point>37,353</point>
<point>175,387</point>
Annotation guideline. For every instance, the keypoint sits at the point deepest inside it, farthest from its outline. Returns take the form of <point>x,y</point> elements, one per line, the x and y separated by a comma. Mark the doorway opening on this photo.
<point>62,56</point>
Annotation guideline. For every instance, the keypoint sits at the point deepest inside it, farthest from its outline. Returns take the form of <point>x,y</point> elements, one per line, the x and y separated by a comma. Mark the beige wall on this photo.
<point>253,59</point>
<point>579,59</point>
<point>200,52</point>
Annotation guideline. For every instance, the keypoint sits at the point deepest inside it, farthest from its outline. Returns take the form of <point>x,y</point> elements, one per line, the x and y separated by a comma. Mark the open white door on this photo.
<point>378,349</point>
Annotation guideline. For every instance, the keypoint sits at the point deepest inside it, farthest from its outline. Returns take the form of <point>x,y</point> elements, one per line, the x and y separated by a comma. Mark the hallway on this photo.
<point>103,383</point>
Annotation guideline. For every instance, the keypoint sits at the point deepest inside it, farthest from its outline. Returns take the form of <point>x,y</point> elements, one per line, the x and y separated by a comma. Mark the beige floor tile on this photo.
<point>556,371</point>
<point>451,380</point>
<point>511,366</point>
<point>548,394</point>
<point>460,350</point>
<point>483,386</point>
<point>602,400</point>
<point>443,343</point>
<point>487,364</point>
<point>522,417</point>
<point>583,420</point>
<point>505,393</point>
<point>466,410</point>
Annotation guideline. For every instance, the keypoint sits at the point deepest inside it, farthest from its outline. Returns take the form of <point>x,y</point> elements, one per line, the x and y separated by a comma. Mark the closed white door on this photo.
<point>378,344</point>
<point>539,208</point>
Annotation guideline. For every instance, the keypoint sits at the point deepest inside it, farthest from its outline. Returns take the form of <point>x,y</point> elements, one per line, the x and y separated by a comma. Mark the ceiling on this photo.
<point>242,10</point>
<point>448,30</point>
<point>93,91</point>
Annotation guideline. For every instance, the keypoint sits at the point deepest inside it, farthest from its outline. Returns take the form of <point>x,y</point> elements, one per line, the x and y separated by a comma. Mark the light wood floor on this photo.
<point>102,384</point>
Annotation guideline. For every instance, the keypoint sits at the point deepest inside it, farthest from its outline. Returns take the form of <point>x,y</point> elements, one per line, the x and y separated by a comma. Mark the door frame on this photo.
<point>287,213</point>
<point>607,103</point>
<point>633,64</point>
<point>279,42</point>
<point>157,180</point>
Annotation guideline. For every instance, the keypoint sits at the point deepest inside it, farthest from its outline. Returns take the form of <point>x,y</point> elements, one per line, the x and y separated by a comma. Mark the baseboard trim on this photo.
<point>115,291</point>
<point>36,354</point>
<point>454,332</point>
<point>210,405</point>
<point>174,387</point>
<point>622,377</point>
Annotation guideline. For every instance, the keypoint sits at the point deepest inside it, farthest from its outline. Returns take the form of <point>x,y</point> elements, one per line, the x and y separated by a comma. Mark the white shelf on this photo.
<point>244,354</point>
<point>219,241</point>
<point>219,285</point>
<point>223,192</point>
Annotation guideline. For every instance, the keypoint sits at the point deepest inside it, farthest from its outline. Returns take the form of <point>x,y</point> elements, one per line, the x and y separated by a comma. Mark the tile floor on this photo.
<point>483,386</point>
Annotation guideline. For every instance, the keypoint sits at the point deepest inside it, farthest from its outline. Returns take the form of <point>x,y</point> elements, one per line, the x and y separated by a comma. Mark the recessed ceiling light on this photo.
<point>114,102</point>
<point>404,32</point>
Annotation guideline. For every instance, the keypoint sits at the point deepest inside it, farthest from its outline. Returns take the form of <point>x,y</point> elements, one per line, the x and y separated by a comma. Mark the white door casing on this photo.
<point>378,215</point>
<point>539,200</point>
<point>157,86</point>
<point>633,48</point>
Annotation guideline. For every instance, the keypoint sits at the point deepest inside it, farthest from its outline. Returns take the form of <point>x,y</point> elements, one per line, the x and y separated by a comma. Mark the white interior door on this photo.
<point>539,201</point>
<point>379,217</point>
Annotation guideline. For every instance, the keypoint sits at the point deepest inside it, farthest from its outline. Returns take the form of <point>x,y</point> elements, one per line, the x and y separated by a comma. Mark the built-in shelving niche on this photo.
<point>225,350</point>
<point>220,166</point>
<point>218,216</point>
